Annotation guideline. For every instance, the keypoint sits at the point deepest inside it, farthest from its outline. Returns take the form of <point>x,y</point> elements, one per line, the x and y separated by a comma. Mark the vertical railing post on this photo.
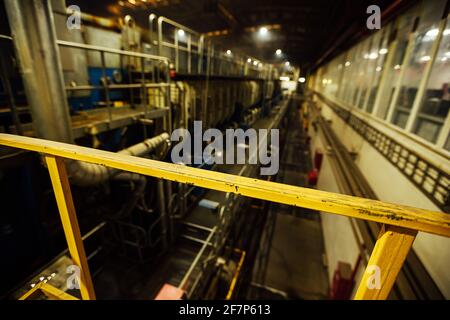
<point>106,85</point>
<point>385,263</point>
<point>63,195</point>
<point>189,45</point>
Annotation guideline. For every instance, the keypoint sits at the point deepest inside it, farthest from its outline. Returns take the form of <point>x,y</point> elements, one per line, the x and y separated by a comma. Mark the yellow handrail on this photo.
<point>49,290</point>
<point>355,207</point>
<point>405,221</point>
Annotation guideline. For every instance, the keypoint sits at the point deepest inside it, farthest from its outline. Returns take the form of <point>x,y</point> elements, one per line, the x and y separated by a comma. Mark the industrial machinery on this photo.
<point>116,86</point>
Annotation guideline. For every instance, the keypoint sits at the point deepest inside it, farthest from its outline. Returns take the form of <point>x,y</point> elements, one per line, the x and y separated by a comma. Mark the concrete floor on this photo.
<point>294,263</point>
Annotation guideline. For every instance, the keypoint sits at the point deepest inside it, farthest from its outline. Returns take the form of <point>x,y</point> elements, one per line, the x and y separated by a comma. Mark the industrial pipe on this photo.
<point>88,174</point>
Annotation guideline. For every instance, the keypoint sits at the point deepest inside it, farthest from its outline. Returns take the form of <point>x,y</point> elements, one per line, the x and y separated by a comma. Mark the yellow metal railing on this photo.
<point>48,290</point>
<point>401,223</point>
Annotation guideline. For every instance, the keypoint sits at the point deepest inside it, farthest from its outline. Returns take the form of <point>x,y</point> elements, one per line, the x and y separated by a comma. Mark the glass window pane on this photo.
<point>447,144</point>
<point>360,71</point>
<point>348,74</point>
<point>436,101</point>
<point>367,64</point>
<point>404,27</point>
<point>431,13</point>
<point>378,56</point>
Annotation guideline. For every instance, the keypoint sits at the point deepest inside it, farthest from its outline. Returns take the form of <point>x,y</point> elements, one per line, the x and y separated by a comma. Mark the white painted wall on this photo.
<point>390,185</point>
<point>340,242</point>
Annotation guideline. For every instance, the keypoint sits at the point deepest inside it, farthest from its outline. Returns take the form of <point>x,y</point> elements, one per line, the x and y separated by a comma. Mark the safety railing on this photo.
<point>184,42</point>
<point>192,53</point>
<point>160,79</point>
<point>49,291</point>
<point>158,68</point>
<point>400,223</point>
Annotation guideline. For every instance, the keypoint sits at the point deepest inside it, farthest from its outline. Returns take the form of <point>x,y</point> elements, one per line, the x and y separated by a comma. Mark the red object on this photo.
<point>318,157</point>
<point>312,177</point>
<point>172,73</point>
<point>169,292</point>
<point>343,282</point>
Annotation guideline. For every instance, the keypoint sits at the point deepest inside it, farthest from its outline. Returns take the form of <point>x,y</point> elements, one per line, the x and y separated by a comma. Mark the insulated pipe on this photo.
<point>88,174</point>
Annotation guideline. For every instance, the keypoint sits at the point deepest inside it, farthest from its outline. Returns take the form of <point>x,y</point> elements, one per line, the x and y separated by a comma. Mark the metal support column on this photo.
<point>34,37</point>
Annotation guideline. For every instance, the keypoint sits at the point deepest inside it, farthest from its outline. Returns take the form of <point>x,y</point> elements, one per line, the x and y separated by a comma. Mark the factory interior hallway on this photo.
<point>202,150</point>
<point>290,263</point>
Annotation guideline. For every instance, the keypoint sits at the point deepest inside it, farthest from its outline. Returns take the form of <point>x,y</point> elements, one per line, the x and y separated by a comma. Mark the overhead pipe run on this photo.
<point>35,43</point>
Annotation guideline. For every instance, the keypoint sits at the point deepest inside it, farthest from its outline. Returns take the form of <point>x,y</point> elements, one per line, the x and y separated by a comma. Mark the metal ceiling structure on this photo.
<point>303,29</point>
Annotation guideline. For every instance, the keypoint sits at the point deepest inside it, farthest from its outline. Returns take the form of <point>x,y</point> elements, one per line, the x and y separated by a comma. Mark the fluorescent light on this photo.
<point>255,63</point>
<point>287,63</point>
<point>263,31</point>
<point>228,52</point>
<point>284,78</point>
<point>249,60</point>
<point>347,63</point>
<point>446,32</point>
<point>180,33</point>
<point>432,32</point>
<point>301,79</point>
<point>373,56</point>
<point>425,58</point>
<point>278,52</point>
<point>397,67</point>
<point>383,51</point>
<point>430,35</point>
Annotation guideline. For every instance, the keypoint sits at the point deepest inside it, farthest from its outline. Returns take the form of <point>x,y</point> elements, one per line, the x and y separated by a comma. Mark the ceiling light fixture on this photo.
<point>278,52</point>
<point>373,56</point>
<point>263,31</point>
